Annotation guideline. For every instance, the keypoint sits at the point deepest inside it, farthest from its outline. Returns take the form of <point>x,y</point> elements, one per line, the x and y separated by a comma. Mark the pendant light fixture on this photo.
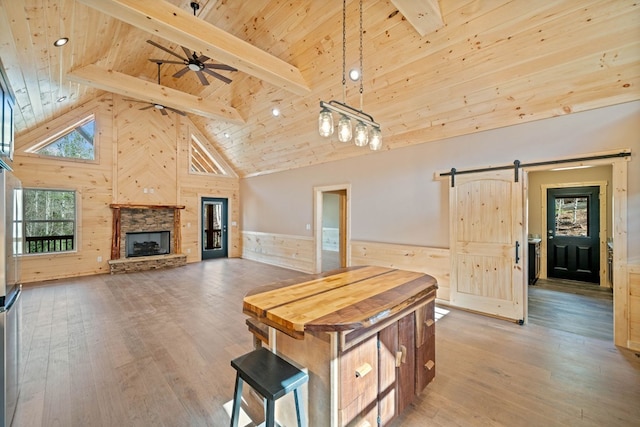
<point>367,131</point>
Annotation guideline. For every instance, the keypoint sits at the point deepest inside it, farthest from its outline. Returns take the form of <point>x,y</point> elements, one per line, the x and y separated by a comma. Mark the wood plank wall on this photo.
<point>432,261</point>
<point>294,252</point>
<point>297,253</point>
<point>136,150</point>
<point>634,306</point>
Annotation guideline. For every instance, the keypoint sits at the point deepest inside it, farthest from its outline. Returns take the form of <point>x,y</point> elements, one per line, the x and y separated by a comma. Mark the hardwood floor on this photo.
<point>154,349</point>
<point>582,308</point>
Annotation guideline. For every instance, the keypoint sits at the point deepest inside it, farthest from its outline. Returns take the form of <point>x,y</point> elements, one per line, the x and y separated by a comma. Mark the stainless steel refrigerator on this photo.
<point>10,292</point>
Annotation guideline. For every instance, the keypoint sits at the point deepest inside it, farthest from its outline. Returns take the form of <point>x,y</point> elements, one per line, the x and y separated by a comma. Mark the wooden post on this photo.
<point>115,234</point>
<point>177,241</point>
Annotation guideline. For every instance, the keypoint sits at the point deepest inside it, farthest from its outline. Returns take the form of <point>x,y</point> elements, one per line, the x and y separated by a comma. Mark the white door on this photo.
<point>487,244</point>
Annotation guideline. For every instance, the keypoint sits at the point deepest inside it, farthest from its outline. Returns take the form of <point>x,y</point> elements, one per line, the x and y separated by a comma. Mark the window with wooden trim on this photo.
<point>202,161</point>
<point>48,220</point>
<point>74,142</point>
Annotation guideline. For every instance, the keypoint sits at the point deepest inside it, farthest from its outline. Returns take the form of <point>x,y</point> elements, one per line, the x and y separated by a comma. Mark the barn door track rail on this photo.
<point>517,165</point>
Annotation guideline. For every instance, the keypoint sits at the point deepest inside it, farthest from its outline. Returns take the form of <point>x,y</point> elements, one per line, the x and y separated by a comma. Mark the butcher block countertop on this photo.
<point>346,299</point>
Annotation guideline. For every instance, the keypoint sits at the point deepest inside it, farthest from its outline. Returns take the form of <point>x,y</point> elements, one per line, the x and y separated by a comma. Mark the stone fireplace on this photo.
<point>145,237</point>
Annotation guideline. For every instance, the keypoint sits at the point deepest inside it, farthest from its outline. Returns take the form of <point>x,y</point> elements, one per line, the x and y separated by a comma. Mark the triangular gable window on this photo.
<point>74,142</point>
<point>202,161</point>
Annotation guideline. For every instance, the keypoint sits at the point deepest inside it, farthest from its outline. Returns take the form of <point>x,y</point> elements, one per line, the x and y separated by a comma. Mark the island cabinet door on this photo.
<point>396,387</point>
<point>425,346</point>
<point>359,385</point>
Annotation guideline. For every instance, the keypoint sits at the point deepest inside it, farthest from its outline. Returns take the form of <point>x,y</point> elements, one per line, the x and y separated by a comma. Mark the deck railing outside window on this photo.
<point>42,244</point>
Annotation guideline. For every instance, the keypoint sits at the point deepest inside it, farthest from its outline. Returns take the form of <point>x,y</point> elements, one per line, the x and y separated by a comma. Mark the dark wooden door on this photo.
<point>573,233</point>
<point>214,228</point>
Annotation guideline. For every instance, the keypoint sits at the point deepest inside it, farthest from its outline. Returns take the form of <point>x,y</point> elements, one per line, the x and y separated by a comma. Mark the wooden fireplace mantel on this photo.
<point>116,231</point>
<point>134,206</point>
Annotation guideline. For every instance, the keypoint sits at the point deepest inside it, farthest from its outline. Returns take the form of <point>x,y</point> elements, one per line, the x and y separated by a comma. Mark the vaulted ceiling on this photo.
<point>491,64</point>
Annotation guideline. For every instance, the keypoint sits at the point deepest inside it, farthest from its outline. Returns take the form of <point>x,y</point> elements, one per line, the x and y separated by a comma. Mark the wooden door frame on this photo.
<point>619,185</point>
<point>345,239</point>
<point>602,243</point>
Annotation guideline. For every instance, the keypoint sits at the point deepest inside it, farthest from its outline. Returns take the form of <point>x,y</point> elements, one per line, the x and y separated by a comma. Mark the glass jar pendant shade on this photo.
<point>362,135</point>
<point>325,123</point>
<point>344,129</point>
<point>375,139</point>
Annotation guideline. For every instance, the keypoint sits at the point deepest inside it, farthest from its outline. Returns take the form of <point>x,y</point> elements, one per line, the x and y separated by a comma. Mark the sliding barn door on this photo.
<point>487,217</point>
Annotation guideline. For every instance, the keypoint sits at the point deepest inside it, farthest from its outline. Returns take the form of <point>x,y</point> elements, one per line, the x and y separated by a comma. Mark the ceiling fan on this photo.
<point>193,62</point>
<point>163,109</point>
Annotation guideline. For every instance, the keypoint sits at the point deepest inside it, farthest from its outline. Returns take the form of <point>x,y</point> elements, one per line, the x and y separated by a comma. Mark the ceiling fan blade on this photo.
<point>188,52</point>
<point>146,108</point>
<point>162,61</point>
<point>203,58</point>
<point>217,76</point>
<point>220,67</point>
<point>182,113</point>
<point>151,42</point>
<point>202,78</point>
<point>181,72</point>
<point>164,111</point>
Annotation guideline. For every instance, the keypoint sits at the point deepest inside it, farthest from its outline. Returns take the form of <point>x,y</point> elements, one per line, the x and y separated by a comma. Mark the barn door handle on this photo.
<point>517,252</point>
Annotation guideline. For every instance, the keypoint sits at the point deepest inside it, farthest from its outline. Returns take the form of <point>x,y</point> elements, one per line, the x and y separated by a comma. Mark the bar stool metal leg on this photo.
<point>237,401</point>
<point>299,413</point>
<point>271,414</point>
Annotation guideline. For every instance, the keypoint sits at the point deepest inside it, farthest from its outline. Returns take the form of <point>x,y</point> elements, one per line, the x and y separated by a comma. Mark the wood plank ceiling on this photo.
<point>492,64</point>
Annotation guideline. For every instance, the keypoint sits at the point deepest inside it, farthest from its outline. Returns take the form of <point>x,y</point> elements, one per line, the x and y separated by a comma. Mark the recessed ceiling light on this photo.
<point>354,74</point>
<point>61,41</point>
<point>226,134</point>
<point>62,98</point>
<point>275,112</point>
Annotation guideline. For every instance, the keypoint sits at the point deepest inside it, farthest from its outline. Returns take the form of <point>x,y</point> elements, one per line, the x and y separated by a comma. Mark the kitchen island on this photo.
<point>365,334</point>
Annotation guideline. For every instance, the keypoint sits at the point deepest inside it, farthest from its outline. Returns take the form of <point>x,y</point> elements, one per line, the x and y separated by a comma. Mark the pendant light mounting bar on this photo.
<point>347,110</point>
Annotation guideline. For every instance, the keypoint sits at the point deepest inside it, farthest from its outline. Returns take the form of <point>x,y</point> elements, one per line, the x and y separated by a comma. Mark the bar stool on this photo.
<point>272,377</point>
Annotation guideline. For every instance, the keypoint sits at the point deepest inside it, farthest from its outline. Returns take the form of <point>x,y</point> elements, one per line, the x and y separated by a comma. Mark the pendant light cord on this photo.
<point>344,50</point>
<point>361,66</point>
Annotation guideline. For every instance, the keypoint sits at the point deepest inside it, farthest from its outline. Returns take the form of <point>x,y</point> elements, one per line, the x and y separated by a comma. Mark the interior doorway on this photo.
<point>214,228</point>
<point>331,230</point>
<point>570,210</point>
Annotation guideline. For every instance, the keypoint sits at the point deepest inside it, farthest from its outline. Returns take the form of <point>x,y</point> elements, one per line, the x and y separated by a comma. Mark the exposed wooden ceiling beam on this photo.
<point>180,26</point>
<point>113,81</point>
<point>424,15</point>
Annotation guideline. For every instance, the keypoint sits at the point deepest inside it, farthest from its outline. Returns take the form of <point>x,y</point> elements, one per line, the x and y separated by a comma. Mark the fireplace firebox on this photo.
<point>147,243</point>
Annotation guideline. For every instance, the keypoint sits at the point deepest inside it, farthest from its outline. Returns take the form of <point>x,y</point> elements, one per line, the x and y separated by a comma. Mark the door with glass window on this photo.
<point>573,233</point>
<point>214,228</point>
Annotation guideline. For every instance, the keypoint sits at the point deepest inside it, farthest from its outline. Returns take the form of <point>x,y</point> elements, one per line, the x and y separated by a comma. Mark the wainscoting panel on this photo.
<point>294,252</point>
<point>634,306</point>
<point>432,261</point>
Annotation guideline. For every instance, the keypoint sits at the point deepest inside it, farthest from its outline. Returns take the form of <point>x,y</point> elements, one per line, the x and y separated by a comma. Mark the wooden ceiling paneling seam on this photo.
<point>26,54</point>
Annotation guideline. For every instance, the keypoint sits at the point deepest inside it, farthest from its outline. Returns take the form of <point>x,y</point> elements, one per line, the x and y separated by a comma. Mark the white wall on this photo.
<point>395,199</point>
